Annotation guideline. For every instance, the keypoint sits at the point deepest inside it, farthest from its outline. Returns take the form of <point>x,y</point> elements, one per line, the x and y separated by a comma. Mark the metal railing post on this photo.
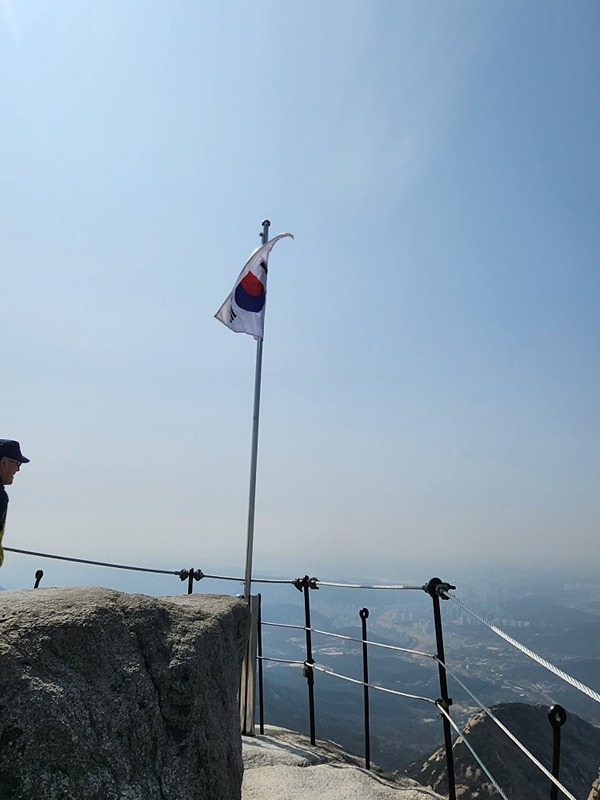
<point>304,585</point>
<point>437,588</point>
<point>191,575</point>
<point>248,673</point>
<point>557,717</point>
<point>261,702</point>
<point>363,614</point>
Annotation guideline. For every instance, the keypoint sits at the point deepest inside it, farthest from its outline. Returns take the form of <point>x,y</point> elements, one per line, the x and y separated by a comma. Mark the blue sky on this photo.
<point>430,377</point>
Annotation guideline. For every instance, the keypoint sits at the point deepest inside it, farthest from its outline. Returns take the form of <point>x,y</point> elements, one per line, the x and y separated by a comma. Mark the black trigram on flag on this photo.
<point>232,314</point>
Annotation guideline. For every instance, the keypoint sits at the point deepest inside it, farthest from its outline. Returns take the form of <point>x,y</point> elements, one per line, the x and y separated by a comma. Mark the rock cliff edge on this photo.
<point>110,695</point>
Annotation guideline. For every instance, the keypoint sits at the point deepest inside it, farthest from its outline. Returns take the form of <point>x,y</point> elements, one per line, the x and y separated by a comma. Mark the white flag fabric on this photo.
<point>244,309</point>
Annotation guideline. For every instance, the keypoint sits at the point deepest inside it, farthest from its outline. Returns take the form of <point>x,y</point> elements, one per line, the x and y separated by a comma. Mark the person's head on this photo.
<point>11,459</point>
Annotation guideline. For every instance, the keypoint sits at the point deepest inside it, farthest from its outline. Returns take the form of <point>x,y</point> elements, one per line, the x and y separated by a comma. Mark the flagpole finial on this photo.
<point>264,234</point>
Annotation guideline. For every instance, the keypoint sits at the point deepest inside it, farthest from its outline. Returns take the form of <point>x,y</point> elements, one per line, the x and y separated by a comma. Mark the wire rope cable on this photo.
<point>530,653</point>
<point>349,638</point>
<point>365,586</point>
<point>94,563</point>
<point>280,581</point>
<point>374,644</point>
<point>284,625</point>
<point>142,569</point>
<point>329,671</point>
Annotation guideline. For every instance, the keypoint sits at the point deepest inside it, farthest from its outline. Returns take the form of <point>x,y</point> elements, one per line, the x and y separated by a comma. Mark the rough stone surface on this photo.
<point>113,696</point>
<point>283,765</point>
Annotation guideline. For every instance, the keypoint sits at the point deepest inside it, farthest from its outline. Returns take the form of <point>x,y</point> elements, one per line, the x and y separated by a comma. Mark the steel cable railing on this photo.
<point>441,591</point>
<point>283,625</point>
<point>329,671</point>
<point>94,563</point>
<point>178,573</point>
<point>510,735</point>
<point>282,581</point>
<point>182,574</point>
<point>367,586</point>
<point>436,588</point>
<point>349,638</point>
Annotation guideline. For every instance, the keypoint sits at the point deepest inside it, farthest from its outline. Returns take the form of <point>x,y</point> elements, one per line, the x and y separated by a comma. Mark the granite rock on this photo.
<point>106,695</point>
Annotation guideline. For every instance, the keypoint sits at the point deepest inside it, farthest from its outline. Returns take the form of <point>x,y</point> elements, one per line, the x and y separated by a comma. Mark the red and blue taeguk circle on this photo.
<point>250,293</point>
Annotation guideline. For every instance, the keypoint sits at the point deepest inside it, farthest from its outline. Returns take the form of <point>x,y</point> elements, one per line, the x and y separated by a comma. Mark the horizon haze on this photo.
<point>431,377</point>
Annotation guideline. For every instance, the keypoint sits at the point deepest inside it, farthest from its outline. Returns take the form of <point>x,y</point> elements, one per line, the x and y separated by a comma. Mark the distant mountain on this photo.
<point>513,771</point>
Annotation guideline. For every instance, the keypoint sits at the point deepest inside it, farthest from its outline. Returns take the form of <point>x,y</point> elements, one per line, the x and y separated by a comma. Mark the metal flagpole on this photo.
<point>247,677</point>
<point>254,453</point>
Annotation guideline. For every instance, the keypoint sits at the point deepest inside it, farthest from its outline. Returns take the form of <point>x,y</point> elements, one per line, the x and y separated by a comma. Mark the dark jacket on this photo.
<point>3,508</point>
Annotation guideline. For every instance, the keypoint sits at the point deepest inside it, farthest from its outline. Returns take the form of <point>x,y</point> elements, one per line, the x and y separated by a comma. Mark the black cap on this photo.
<point>11,449</point>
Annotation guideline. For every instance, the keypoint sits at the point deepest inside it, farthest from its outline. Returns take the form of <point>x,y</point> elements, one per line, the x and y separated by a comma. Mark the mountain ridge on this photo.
<point>514,772</point>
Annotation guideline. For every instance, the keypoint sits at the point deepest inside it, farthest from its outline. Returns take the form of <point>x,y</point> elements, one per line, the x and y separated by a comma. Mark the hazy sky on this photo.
<point>431,363</point>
